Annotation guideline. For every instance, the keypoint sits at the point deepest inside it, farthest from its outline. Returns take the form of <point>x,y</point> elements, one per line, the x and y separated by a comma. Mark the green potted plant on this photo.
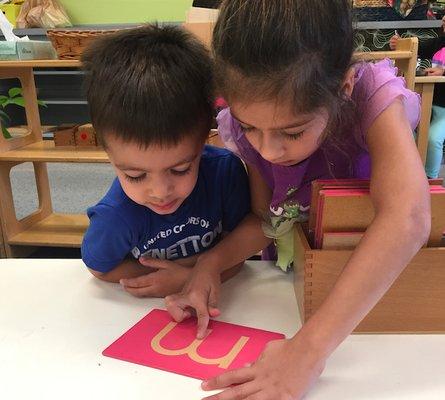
<point>15,97</point>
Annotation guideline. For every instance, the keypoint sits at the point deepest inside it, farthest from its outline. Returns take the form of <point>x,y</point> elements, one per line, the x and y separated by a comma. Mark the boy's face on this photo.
<point>160,178</point>
<point>280,136</point>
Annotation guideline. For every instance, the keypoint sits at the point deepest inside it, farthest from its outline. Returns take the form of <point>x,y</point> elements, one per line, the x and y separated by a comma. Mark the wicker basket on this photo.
<point>370,3</point>
<point>70,44</point>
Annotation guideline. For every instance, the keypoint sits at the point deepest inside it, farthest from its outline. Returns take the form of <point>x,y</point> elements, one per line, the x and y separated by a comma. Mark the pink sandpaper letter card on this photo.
<point>158,342</point>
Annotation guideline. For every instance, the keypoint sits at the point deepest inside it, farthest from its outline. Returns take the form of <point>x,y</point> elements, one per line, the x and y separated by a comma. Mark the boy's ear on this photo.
<point>348,82</point>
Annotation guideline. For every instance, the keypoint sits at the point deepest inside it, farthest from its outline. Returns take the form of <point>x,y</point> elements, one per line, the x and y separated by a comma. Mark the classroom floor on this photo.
<point>74,187</point>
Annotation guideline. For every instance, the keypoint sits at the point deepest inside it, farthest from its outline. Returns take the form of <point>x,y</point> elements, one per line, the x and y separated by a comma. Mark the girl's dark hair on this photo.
<point>286,49</point>
<point>149,85</point>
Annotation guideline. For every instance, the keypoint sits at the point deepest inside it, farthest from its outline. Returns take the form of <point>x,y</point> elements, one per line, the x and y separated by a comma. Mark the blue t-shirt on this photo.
<point>120,227</point>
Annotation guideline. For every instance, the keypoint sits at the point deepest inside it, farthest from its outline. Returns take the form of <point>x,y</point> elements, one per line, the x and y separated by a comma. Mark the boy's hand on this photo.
<point>169,278</point>
<point>200,295</point>
<point>436,71</point>
<point>393,42</point>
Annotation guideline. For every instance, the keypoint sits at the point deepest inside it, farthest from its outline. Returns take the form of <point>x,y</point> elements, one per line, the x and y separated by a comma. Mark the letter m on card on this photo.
<point>158,342</point>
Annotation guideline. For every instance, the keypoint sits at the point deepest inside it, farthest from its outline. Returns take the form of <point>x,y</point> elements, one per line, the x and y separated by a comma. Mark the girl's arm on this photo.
<point>400,194</point>
<point>201,292</point>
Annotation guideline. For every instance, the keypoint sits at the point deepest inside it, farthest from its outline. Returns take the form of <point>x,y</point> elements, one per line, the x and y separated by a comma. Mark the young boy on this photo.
<point>150,95</point>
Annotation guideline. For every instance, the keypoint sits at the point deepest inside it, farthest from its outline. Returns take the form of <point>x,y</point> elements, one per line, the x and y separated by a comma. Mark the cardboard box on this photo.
<point>29,50</point>
<point>414,304</point>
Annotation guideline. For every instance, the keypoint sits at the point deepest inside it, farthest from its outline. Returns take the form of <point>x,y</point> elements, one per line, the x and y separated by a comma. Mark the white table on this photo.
<point>55,320</point>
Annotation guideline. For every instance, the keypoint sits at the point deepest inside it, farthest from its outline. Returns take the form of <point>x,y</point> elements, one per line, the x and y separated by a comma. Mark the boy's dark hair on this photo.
<point>150,85</point>
<point>286,49</point>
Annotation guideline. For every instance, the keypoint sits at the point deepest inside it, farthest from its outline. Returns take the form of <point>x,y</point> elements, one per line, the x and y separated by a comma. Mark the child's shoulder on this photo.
<point>116,204</point>
<point>218,154</point>
<point>217,157</point>
<point>219,166</point>
<point>115,197</point>
<point>376,87</point>
<point>369,77</point>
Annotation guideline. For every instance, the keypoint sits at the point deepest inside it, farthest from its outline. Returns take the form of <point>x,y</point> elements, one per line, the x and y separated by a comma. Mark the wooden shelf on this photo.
<point>380,55</point>
<point>57,230</point>
<point>41,64</point>
<point>45,150</point>
<point>430,79</point>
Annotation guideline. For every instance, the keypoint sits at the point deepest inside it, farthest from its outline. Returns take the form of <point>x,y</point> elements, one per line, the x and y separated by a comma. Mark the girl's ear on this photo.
<point>348,82</point>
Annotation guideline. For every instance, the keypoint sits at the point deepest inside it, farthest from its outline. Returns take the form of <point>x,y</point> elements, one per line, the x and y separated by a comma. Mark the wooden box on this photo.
<point>414,304</point>
<point>86,136</point>
<point>65,135</point>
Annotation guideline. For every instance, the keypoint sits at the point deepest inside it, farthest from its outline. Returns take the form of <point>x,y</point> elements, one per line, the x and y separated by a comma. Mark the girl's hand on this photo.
<point>169,278</point>
<point>200,295</point>
<point>436,71</point>
<point>393,42</point>
<point>285,371</point>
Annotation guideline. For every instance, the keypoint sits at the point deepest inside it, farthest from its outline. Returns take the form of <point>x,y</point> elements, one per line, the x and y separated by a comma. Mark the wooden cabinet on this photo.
<point>43,227</point>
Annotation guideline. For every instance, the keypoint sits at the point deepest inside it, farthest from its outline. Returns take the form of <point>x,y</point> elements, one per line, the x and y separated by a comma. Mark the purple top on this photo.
<point>376,87</point>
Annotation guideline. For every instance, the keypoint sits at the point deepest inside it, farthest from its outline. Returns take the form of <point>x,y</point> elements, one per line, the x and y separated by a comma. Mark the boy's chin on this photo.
<point>165,209</point>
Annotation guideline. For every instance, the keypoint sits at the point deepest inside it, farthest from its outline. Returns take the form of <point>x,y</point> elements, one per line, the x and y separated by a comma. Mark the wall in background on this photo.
<point>125,11</point>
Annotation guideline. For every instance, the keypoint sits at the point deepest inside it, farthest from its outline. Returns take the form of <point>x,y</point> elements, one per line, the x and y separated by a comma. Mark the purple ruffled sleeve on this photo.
<point>377,87</point>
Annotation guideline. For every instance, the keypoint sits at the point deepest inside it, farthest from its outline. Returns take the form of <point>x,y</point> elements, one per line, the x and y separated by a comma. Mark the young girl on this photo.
<point>300,110</point>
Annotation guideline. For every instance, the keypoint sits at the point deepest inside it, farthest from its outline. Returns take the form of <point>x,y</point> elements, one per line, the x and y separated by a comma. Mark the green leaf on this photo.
<point>6,133</point>
<point>15,91</point>
<point>3,99</point>
<point>18,101</point>
<point>41,103</point>
<point>4,116</point>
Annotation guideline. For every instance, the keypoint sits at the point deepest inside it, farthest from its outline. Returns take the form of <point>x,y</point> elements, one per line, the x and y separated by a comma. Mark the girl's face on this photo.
<point>277,133</point>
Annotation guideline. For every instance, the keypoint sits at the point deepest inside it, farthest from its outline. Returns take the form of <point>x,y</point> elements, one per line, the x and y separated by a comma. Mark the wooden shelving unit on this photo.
<point>45,151</point>
<point>43,227</point>
<point>56,230</point>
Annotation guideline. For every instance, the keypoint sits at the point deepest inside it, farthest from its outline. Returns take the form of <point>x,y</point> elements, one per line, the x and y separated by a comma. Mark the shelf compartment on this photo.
<point>46,151</point>
<point>57,230</point>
